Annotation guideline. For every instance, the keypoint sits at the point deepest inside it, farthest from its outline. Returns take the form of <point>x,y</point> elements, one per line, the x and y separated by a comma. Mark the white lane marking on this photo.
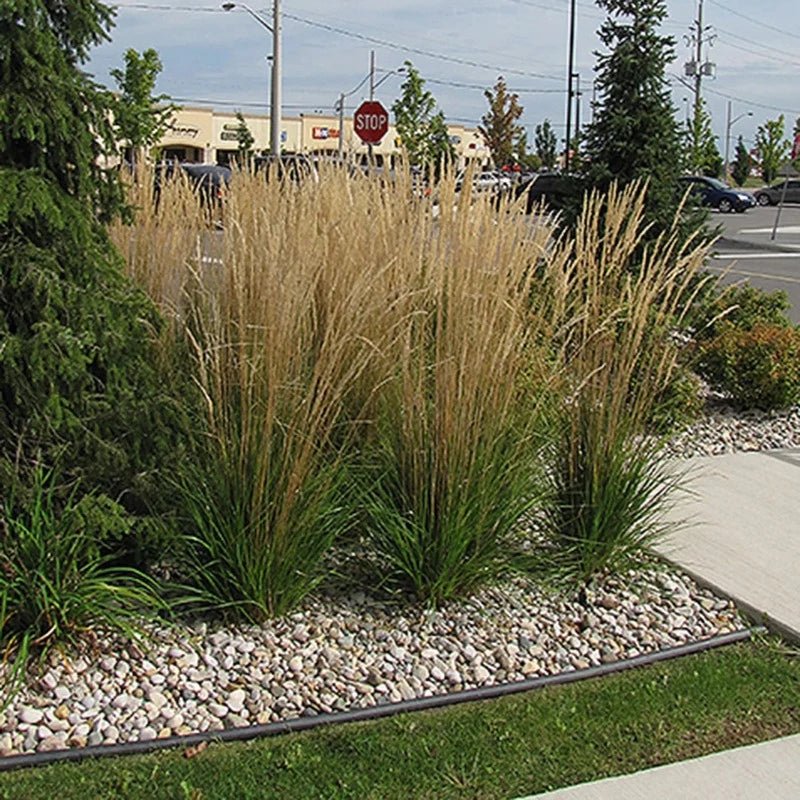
<point>739,256</point>
<point>745,274</point>
<point>786,229</point>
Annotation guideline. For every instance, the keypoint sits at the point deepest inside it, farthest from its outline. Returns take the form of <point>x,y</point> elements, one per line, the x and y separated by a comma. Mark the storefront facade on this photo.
<point>207,136</point>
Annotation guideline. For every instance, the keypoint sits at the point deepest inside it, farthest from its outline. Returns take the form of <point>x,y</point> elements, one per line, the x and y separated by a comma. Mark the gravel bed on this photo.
<point>355,652</point>
<point>723,430</point>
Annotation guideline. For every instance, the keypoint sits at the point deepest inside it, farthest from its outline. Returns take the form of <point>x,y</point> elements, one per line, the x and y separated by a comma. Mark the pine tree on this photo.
<point>704,158</point>
<point>546,144</point>
<point>76,382</point>
<point>499,126</point>
<point>634,134</point>
<point>740,170</point>
<point>422,129</point>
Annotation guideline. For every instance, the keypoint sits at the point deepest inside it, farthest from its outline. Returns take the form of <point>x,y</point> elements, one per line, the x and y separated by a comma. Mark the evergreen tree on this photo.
<point>705,158</point>
<point>772,147</point>
<point>740,170</point>
<point>140,119</point>
<point>76,382</point>
<point>546,144</point>
<point>499,126</point>
<point>634,134</point>
<point>421,129</point>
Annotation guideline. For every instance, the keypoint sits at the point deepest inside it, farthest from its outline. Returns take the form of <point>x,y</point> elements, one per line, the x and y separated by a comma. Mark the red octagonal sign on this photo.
<point>371,122</point>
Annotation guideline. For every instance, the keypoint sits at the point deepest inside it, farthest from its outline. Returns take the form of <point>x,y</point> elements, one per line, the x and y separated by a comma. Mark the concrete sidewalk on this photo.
<point>743,541</point>
<point>743,533</point>
<point>766,771</point>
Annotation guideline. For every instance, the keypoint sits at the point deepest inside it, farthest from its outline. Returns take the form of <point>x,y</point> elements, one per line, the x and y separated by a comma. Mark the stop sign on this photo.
<point>371,122</point>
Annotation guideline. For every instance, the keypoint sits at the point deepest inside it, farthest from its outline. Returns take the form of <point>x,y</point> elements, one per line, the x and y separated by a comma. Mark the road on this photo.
<point>748,253</point>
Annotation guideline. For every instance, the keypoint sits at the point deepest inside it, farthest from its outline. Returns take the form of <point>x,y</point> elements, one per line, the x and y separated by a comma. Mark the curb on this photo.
<point>744,244</point>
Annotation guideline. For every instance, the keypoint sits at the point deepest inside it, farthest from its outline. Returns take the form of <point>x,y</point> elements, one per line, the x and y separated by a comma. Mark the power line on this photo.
<point>417,50</point>
<point>756,52</point>
<point>362,37</point>
<point>753,20</point>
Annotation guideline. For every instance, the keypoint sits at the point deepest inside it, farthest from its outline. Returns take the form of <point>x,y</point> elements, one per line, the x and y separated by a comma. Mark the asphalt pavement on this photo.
<point>748,251</point>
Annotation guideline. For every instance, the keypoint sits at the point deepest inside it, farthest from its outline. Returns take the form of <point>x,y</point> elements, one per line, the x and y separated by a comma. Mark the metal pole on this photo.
<point>697,85</point>
<point>341,126</point>
<point>275,111</point>
<point>371,97</point>
<point>577,108</point>
<point>728,140</point>
<point>570,58</point>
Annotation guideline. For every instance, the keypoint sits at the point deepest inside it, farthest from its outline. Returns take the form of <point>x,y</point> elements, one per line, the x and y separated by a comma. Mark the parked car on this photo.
<point>714,193</point>
<point>771,195</point>
<point>554,190</point>
<point>487,181</point>
<point>208,180</point>
<point>296,167</point>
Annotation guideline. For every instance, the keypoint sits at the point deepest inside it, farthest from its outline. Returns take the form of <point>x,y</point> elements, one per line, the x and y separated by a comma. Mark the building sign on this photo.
<point>324,133</point>
<point>230,126</point>
<point>229,136</point>
<point>176,129</point>
<point>454,139</point>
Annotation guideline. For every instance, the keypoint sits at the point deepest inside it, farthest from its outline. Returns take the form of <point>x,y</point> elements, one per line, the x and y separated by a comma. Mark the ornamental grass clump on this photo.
<point>610,482</point>
<point>451,463</point>
<point>280,322</point>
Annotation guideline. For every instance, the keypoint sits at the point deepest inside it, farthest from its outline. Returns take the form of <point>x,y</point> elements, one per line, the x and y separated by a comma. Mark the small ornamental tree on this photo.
<point>140,119</point>
<point>245,140</point>
<point>77,385</point>
<point>546,144</point>
<point>634,134</point>
<point>499,126</point>
<point>421,129</point>
<point>740,169</point>
<point>772,146</point>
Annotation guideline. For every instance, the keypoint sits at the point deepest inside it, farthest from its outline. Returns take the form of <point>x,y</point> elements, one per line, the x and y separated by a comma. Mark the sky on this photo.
<point>216,58</point>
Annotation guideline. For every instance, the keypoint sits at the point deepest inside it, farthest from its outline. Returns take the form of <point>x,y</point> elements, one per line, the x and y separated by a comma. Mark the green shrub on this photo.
<point>56,587</point>
<point>740,307</point>
<point>758,367</point>
<point>678,404</point>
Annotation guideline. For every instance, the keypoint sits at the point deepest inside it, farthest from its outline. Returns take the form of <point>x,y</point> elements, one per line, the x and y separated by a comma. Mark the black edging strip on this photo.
<point>373,712</point>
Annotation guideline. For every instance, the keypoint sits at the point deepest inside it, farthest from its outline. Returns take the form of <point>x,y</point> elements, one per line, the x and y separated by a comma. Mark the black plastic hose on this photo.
<point>375,712</point>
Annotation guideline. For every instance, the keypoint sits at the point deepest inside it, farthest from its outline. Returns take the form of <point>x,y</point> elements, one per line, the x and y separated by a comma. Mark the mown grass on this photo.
<point>498,749</point>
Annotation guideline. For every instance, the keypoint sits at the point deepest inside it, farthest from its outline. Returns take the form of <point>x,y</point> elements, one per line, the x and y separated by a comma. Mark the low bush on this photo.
<point>758,367</point>
<point>740,307</point>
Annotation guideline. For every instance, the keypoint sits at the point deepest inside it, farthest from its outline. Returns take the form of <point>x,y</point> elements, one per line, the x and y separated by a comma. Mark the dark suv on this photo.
<point>208,180</point>
<point>714,193</point>
<point>295,167</point>
<point>555,190</point>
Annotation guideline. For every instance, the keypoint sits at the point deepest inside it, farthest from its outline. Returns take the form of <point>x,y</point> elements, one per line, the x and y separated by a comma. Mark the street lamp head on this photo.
<point>228,6</point>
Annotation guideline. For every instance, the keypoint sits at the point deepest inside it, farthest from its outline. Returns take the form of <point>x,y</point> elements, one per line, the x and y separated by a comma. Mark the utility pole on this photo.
<point>341,127</point>
<point>578,95</point>
<point>570,65</point>
<point>697,69</point>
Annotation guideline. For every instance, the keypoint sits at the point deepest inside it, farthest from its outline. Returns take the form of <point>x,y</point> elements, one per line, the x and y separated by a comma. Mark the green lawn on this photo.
<point>497,749</point>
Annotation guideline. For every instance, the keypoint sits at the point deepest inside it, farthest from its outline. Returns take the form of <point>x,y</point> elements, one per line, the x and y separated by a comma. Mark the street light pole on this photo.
<point>275,112</point>
<point>570,62</point>
<point>729,124</point>
<point>275,83</point>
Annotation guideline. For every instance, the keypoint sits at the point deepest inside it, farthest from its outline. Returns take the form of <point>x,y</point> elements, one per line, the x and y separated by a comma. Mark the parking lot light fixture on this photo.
<point>275,82</point>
